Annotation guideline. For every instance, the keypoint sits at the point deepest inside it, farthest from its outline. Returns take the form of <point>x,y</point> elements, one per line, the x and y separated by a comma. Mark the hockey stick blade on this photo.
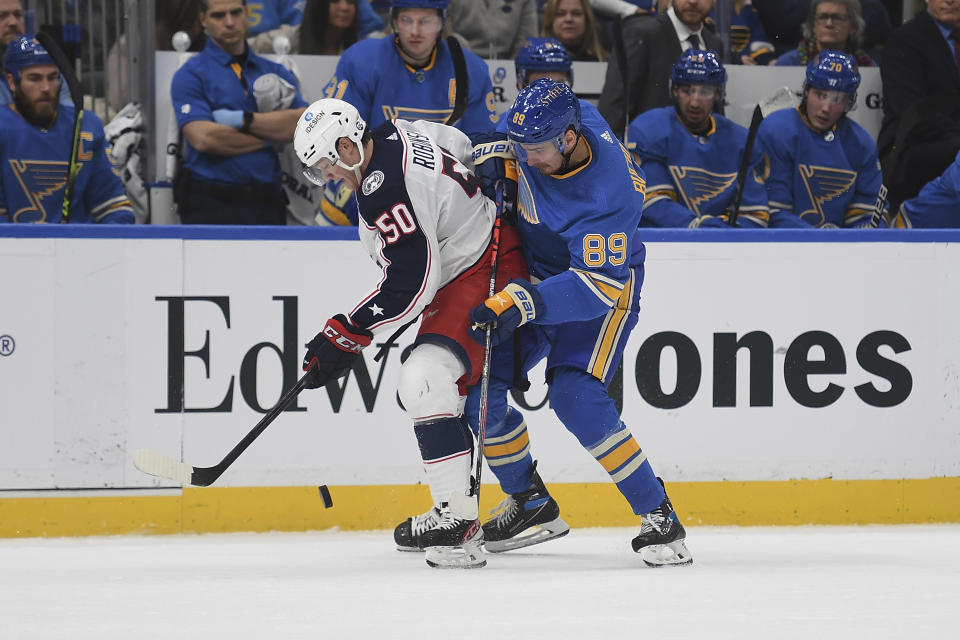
<point>156,464</point>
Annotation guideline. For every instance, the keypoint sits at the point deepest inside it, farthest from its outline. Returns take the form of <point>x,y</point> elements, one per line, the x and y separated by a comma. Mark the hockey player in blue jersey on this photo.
<point>411,75</point>
<point>937,206</point>
<point>36,144</point>
<point>548,58</point>
<point>823,166</point>
<point>691,155</point>
<point>579,203</point>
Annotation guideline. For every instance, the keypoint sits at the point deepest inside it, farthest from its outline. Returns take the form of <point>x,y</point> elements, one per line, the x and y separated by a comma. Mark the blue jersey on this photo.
<point>34,165</point>
<point>207,82</point>
<point>693,177</point>
<point>373,77</point>
<point>937,205</point>
<point>579,229</point>
<point>266,15</point>
<point>819,180</point>
<point>747,36</point>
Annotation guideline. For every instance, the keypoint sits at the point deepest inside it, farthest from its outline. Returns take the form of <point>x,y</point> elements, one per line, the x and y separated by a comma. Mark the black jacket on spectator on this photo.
<point>652,47</point>
<point>920,134</point>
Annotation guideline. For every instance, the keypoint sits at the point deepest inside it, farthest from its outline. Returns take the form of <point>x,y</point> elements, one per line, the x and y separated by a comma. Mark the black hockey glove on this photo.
<point>494,161</point>
<point>333,351</point>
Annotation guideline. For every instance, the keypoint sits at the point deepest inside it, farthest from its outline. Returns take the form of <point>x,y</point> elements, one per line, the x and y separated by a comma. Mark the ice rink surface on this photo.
<point>868,582</point>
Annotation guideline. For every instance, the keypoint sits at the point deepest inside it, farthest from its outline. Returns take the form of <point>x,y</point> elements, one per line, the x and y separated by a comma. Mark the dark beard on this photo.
<point>30,114</point>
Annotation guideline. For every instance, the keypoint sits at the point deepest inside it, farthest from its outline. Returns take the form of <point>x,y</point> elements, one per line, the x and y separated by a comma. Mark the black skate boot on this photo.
<point>409,534</point>
<point>456,540</point>
<point>518,513</point>
<point>661,539</point>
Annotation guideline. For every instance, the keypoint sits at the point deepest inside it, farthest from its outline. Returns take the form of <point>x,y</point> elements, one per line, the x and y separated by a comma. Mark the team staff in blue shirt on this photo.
<point>231,172</point>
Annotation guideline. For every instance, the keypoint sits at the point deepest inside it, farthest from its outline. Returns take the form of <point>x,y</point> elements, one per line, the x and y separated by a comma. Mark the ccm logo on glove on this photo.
<point>334,332</point>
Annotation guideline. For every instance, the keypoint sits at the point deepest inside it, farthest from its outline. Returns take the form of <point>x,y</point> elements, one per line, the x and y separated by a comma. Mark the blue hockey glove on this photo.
<point>230,117</point>
<point>333,351</point>
<point>494,161</point>
<point>514,306</point>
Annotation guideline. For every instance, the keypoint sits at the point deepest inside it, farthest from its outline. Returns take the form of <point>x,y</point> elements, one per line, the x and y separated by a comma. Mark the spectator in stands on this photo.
<point>12,26</point>
<point>920,134</point>
<point>652,46</point>
<point>328,28</point>
<point>572,23</point>
<point>823,166</point>
<point>36,147</point>
<point>748,40</point>
<point>231,174</point>
<point>831,24</point>
<point>691,156</point>
<point>494,28</point>
<point>783,21</point>
<point>937,206</point>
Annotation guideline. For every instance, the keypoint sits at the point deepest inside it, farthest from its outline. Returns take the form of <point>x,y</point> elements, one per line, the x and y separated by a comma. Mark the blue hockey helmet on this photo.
<point>543,111</point>
<point>833,71</point>
<point>22,52</point>
<point>439,5</point>
<point>696,66</point>
<point>542,54</point>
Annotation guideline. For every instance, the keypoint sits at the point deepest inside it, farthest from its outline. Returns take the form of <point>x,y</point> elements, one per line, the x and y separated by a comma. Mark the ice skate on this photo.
<point>456,541</point>
<point>524,519</point>
<point>409,534</point>
<point>661,539</point>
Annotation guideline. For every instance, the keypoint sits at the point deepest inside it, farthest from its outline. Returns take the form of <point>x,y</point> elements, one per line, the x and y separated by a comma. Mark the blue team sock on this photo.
<point>582,404</point>
<point>506,442</point>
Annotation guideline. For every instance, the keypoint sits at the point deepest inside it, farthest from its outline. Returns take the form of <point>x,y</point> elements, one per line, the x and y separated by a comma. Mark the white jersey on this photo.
<point>422,218</point>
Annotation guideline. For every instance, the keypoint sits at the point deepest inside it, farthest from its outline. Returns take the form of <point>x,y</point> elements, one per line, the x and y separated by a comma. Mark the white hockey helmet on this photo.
<point>318,129</point>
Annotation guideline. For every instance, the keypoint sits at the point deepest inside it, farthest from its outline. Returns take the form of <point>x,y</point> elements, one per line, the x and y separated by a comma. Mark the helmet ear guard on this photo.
<point>320,128</point>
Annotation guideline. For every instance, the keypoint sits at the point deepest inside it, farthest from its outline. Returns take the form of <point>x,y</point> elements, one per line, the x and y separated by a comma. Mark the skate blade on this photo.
<point>673,554</point>
<point>534,535</point>
<point>414,549</point>
<point>469,556</point>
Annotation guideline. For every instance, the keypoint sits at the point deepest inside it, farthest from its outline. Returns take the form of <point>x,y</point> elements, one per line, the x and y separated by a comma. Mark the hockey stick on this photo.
<point>156,464</point>
<point>180,42</point>
<point>461,79</point>
<point>878,207</point>
<point>488,345</point>
<point>66,70</point>
<point>620,51</point>
<point>781,99</point>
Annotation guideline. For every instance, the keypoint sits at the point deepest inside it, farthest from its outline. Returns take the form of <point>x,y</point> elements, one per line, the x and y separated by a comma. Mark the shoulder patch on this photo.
<point>185,108</point>
<point>372,182</point>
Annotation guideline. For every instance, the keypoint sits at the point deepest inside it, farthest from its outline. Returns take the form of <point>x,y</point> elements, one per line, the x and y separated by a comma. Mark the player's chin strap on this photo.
<point>356,167</point>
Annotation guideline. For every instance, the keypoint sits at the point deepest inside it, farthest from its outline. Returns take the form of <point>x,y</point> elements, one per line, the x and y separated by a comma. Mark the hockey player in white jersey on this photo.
<point>425,221</point>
